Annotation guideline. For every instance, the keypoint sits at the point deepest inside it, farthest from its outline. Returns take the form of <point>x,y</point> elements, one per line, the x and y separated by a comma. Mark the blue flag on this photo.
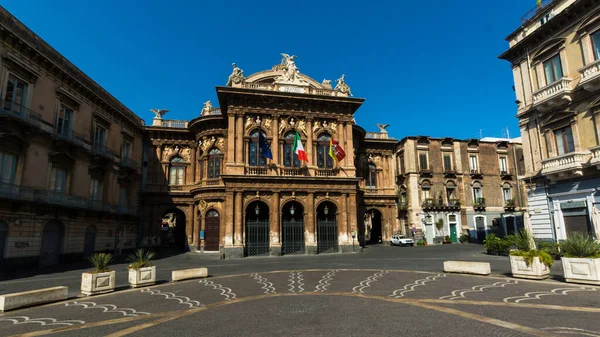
<point>264,147</point>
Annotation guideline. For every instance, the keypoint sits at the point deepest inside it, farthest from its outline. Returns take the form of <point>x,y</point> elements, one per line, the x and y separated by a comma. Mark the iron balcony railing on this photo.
<point>99,205</point>
<point>128,162</point>
<point>124,209</point>
<point>59,199</point>
<point>16,192</point>
<point>14,109</point>
<point>73,137</point>
<point>103,151</point>
<point>535,10</point>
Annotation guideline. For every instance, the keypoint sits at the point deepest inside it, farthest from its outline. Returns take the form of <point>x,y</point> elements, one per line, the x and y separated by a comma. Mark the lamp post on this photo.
<point>292,212</point>
<point>353,237</point>
<point>257,210</point>
<point>326,210</point>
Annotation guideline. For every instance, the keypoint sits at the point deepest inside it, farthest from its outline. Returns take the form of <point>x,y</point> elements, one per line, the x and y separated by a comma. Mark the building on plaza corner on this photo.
<point>212,174</point>
<point>555,58</point>
<point>471,186</point>
<point>70,157</point>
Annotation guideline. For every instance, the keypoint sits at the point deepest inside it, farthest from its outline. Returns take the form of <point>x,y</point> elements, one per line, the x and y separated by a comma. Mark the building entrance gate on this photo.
<point>292,228</point>
<point>257,229</point>
<point>327,232</point>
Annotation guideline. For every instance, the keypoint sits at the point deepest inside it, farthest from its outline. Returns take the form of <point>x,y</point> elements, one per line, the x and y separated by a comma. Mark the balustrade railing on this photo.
<point>16,192</point>
<point>292,171</point>
<point>595,160</point>
<point>552,90</point>
<point>590,72</point>
<point>213,182</point>
<point>256,170</point>
<point>565,162</point>
<point>171,123</point>
<point>326,172</point>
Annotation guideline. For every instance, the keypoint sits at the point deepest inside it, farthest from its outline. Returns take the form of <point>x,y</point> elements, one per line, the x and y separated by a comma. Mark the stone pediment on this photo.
<point>286,77</point>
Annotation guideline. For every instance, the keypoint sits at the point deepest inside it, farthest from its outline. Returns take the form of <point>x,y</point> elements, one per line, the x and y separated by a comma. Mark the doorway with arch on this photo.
<point>292,228</point>
<point>257,229</point>
<point>327,229</point>
<point>174,221</point>
<point>212,226</point>
<point>373,227</point>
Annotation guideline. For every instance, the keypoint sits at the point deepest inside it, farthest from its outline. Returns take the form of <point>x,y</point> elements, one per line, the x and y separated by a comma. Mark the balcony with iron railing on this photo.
<point>128,163</point>
<point>479,204</point>
<point>16,192</point>
<point>73,137</point>
<point>256,170</point>
<point>552,93</point>
<point>537,9</point>
<point>13,109</point>
<point>100,206</point>
<point>125,210</point>
<point>326,172</point>
<point>103,151</point>
<point>569,163</point>
<point>590,75</point>
<point>292,171</point>
<point>59,199</point>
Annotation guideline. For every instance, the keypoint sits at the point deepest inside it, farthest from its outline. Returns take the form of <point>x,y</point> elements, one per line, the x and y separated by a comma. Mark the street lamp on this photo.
<point>292,210</point>
<point>257,209</point>
<point>326,210</point>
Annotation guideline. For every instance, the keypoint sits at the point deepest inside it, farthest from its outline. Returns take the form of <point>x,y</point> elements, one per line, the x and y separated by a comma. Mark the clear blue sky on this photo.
<point>425,67</point>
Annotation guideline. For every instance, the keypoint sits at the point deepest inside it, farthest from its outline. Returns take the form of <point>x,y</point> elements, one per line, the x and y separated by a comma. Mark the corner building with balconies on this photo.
<point>212,174</point>
<point>70,157</point>
<point>555,58</point>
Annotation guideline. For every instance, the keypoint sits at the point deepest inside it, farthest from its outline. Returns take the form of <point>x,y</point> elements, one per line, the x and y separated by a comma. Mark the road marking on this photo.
<point>411,286</point>
<point>536,295</point>
<point>127,312</point>
<point>514,305</point>
<point>266,285</point>
<point>573,331</point>
<point>296,277</point>
<point>226,292</point>
<point>460,293</point>
<point>324,282</point>
<point>367,283</point>
<point>41,321</point>
<point>171,296</point>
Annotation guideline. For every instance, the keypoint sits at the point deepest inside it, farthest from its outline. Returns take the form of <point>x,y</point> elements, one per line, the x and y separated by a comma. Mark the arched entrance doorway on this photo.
<point>212,231</point>
<point>89,242</point>
<point>174,234</point>
<point>373,231</point>
<point>292,231</point>
<point>51,247</point>
<point>327,232</point>
<point>257,228</point>
<point>3,240</point>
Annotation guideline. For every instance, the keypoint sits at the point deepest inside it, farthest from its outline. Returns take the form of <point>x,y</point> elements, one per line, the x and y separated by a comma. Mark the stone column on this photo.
<point>343,223</point>
<point>309,219</point>
<point>231,138</point>
<point>275,140</point>
<point>351,205</point>
<point>274,224</point>
<point>229,219</point>
<point>309,142</point>
<point>157,177</point>
<point>238,220</point>
<point>239,141</point>
<point>349,149</point>
<point>189,228</point>
<point>196,233</point>
<point>194,167</point>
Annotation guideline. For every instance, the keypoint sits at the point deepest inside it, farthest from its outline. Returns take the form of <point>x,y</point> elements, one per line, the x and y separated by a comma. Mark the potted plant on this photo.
<point>141,272</point>
<point>528,262</point>
<point>101,279</point>
<point>447,240</point>
<point>492,244</point>
<point>581,263</point>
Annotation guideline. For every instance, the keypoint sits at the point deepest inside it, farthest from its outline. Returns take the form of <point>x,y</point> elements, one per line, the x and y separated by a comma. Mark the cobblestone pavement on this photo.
<point>325,302</point>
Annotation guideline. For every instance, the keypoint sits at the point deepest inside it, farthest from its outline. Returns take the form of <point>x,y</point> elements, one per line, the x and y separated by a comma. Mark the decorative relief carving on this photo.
<point>206,109</point>
<point>282,125</point>
<point>221,143</point>
<point>267,123</point>
<point>187,154</point>
<point>302,126</point>
<point>249,123</point>
<point>326,84</point>
<point>342,86</point>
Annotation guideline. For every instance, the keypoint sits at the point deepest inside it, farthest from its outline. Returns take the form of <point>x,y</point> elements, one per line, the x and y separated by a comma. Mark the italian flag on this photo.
<point>299,149</point>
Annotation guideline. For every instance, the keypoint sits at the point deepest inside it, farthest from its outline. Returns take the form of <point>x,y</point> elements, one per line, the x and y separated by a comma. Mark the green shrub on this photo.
<point>581,245</point>
<point>447,238</point>
<point>552,248</point>
<point>100,262</point>
<point>140,259</point>
<point>523,240</point>
<point>420,243</point>
<point>529,255</point>
<point>492,243</point>
<point>464,238</point>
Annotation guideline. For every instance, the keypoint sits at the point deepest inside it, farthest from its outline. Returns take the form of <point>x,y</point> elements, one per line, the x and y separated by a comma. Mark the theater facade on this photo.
<point>210,185</point>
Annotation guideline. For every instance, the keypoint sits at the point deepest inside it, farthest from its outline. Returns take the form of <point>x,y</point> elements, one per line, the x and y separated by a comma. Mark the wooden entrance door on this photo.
<point>211,232</point>
<point>51,244</point>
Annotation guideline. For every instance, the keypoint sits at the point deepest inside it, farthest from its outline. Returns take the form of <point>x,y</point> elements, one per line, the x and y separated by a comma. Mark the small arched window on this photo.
<point>450,190</point>
<point>290,159</point>
<point>477,193</point>
<point>507,193</point>
<point>372,176</point>
<point>323,158</point>
<point>426,188</point>
<point>214,163</point>
<point>212,214</point>
<point>177,171</point>
<point>255,157</point>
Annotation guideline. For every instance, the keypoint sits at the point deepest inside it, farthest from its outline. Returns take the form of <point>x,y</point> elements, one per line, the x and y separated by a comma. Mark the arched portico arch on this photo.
<point>174,220</point>
<point>292,227</point>
<point>327,229</point>
<point>374,228</point>
<point>257,228</point>
<point>212,233</point>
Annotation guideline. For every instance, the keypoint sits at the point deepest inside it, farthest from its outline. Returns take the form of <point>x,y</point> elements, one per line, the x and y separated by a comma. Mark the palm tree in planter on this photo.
<point>101,279</point>
<point>141,272</point>
<point>528,262</point>
<point>581,263</point>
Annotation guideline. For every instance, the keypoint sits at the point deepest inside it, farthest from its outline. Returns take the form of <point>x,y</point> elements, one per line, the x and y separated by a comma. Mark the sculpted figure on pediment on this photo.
<point>221,144</point>
<point>316,127</point>
<point>207,108</point>
<point>282,125</point>
<point>236,77</point>
<point>333,127</point>
<point>267,123</point>
<point>302,126</point>
<point>187,154</point>
<point>326,84</point>
<point>167,152</point>
<point>342,86</point>
<point>249,122</point>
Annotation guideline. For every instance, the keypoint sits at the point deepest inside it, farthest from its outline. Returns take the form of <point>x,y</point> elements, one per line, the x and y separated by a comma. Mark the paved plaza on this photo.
<point>384,291</point>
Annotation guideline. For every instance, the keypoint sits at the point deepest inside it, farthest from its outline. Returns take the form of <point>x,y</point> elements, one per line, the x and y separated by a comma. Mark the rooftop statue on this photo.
<point>291,73</point>
<point>236,77</point>
<point>158,113</point>
<point>382,127</point>
<point>207,108</point>
<point>342,86</point>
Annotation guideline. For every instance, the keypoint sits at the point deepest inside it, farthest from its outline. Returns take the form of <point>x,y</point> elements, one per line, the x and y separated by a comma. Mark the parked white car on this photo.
<point>401,240</point>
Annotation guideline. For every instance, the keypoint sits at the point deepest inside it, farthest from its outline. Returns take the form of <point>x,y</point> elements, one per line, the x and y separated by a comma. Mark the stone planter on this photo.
<point>535,271</point>
<point>97,283</point>
<point>581,270</point>
<point>142,276</point>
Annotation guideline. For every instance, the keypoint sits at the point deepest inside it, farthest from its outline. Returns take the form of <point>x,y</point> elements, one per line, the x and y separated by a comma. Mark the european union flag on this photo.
<point>264,147</point>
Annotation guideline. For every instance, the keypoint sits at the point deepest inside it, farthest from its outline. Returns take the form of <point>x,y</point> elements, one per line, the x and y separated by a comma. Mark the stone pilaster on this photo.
<point>309,218</point>
<point>237,233</point>
<point>231,139</point>
<point>239,141</point>
<point>274,226</point>
<point>229,250</point>
<point>275,140</point>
